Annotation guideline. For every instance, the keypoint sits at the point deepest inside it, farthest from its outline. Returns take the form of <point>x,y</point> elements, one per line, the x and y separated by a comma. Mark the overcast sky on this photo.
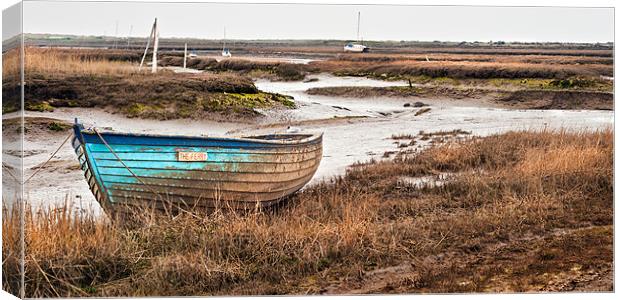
<point>295,21</point>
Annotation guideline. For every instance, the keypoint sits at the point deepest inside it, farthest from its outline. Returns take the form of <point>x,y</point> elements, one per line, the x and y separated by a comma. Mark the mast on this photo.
<point>224,46</point>
<point>129,35</point>
<point>358,26</point>
<point>155,46</point>
<point>185,57</point>
<point>116,35</point>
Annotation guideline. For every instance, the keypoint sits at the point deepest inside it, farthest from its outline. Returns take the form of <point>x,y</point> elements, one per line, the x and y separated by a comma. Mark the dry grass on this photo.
<point>523,212</point>
<point>53,61</point>
<point>399,48</point>
<point>529,58</point>
<point>271,70</point>
<point>108,79</point>
<point>462,69</point>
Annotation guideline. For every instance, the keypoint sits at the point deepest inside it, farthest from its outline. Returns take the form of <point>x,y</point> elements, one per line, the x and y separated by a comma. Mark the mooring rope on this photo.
<point>8,170</point>
<point>123,163</point>
<point>40,167</point>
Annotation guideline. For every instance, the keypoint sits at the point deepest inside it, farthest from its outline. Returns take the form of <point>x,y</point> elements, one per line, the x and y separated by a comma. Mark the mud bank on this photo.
<point>519,99</point>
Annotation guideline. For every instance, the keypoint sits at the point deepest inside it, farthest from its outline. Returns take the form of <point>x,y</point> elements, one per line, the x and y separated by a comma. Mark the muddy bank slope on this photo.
<point>520,99</point>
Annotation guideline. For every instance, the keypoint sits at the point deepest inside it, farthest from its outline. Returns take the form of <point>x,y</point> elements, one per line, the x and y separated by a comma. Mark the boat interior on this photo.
<point>280,137</point>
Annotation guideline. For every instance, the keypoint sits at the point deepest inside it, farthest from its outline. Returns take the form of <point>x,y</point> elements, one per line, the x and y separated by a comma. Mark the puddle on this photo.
<point>421,182</point>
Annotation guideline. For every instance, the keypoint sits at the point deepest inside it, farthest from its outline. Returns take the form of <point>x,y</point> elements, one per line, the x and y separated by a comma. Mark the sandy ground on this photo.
<point>354,130</point>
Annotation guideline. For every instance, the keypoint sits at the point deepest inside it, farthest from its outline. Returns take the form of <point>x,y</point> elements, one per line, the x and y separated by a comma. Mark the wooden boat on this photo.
<point>194,172</point>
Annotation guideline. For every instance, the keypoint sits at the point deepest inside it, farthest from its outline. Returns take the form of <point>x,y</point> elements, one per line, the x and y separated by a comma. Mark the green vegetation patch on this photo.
<point>58,126</point>
<point>219,102</point>
<point>41,106</point>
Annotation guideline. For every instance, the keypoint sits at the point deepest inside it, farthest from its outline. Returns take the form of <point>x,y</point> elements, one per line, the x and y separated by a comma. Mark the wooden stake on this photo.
<point>185,57</point>
<point>148,42</point>
<point>155,46</point>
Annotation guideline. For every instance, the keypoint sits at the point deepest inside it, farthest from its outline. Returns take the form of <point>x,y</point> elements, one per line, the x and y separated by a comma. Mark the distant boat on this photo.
<point>225,51</point>
<point>356,46</point>
<point>192,172</point>
<point>351,47</point>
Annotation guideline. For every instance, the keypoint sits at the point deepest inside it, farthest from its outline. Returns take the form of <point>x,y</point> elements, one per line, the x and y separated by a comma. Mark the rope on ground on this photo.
<point>50,158</point>
<point>8,171</point>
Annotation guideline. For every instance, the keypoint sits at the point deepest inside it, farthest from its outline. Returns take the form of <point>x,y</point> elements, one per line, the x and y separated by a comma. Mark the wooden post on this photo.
<point>185,57</point>
<point>155,45</point>
<point>146,50</point>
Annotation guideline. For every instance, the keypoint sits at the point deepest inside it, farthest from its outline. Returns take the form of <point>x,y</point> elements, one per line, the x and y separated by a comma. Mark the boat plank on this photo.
<point>211,157</point>
<point>206,189</point>
<point>202,179</point>
<point>201,174</point>
<point>200,200</point>
<point>241,167</point>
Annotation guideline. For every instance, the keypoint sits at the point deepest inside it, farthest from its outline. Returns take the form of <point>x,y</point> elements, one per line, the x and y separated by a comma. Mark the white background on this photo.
<point>591,3</point>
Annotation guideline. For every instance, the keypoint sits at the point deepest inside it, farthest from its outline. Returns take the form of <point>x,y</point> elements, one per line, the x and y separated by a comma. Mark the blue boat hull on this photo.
<point>167,172</point>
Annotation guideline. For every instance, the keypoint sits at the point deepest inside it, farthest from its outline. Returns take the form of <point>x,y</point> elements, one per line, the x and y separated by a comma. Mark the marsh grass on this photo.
<point>53,61</point>
<point>398,69</point>
<point>524,211</point>
<point>111,80</point>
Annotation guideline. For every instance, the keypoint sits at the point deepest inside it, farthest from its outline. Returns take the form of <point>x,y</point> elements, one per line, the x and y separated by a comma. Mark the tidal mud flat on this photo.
<point>355,130</point>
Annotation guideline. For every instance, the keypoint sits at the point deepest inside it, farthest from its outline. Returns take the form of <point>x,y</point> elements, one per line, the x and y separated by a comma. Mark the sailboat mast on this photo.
<point>358,26</point>
<point>224,46</point>
<point>185,57</point>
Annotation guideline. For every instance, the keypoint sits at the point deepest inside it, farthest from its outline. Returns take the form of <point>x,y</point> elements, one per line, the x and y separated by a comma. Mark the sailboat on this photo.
<point>225,51</point>
<point>356,46</point>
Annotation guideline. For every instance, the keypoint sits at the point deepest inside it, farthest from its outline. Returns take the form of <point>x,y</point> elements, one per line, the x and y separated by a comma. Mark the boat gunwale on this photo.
<point>216,150</point>
<point>312,137</point>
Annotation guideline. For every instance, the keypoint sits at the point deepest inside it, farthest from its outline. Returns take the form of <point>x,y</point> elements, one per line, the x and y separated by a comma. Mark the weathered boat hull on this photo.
<point>195,172</point>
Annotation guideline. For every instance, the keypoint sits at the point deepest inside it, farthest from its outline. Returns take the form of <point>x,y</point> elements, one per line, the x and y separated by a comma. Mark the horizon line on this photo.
<point>317,39</point>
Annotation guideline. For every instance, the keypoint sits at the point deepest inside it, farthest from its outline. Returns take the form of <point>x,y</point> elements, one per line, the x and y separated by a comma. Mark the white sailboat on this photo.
<point>356,46</point>
<point>225,51</point>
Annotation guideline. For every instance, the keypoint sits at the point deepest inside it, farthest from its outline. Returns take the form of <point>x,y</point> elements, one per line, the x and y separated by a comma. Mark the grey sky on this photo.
<point>295,21</point>
<point>11,21</point>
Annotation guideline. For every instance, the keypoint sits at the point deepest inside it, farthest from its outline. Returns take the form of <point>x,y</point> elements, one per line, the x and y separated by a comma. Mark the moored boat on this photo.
<point>358,46</point>
<point>189,172</point>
